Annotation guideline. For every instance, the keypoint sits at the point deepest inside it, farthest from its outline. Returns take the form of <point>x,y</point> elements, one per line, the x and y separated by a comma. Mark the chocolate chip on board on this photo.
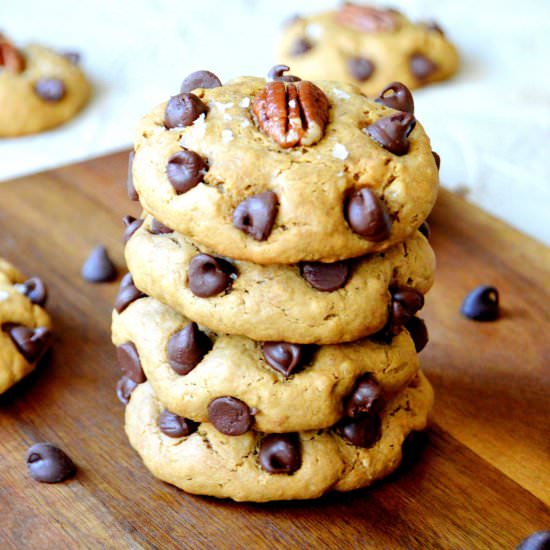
<point>537,541</point>
<point>482,304</point>
<point>49,464</point>
<point>98,267</point>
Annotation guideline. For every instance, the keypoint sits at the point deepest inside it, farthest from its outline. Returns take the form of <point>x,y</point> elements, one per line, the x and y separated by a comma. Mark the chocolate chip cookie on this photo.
<point>369,47</point>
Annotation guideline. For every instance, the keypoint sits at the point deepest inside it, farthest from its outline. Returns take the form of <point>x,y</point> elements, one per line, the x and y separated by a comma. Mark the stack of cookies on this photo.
<point>267,330</point>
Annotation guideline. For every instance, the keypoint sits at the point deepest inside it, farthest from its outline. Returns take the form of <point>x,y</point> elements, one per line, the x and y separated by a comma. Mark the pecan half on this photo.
<point>367,18</point>
<point>10,57</point>
<point>292,114</point>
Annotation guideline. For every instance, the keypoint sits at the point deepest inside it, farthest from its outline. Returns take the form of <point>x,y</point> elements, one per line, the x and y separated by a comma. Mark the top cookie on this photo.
<point>285,171</point>
<point>369,47</point>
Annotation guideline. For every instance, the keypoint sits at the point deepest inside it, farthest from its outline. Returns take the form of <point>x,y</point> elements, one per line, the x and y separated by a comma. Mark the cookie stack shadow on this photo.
<point>267,329</point>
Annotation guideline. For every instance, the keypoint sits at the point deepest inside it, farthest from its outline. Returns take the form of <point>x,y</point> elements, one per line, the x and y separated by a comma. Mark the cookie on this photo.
<point>304,303</point>
<point>24,324</point>
<point>263,467</point>
<point>39,89</point>
<point>369,47</point>
<point>284,172</point>
<point>290,387</point>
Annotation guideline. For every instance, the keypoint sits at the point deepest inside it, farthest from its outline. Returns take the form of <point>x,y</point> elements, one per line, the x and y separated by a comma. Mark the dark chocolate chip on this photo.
<point>186,348</point>
<point>230,415</point>
<point>300,47</point>
<point>182,110</point>
<point>158,228</point>
<point>200,79</point>
<point>132,193</point>
<point>280,453</point>
<point>129,362</point>
<point>172,425</point>
<point>131,225</point>
<point>400,99</point>
<point>284,357</point>
<point>537,541</point>
<point>418,331</point>
<point>124,389</point>
<point>73,57</point>
<point>391,132</point>
<point>361,432</point>
<point>437,159</point>
<point>31,342</point>
<point>184,170</point>
<point>482,304</point>
<point>406,301</point>
<point>127,293</point>
<point>360,68</point>
<point>365,398</point>
<point>256,215</point>
<point>35,290</point>
<point>49,464</point>
<point>326,277</point>
<point>99,268</point>
<point>421,66</point>
<point>209,276</point>
<point>367,215</point>
<point>425,230</point>
<point>277,73</point>
<point>50,89</point>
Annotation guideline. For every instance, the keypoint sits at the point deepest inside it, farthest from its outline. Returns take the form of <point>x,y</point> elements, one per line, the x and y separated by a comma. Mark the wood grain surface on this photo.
<point>479,478</point>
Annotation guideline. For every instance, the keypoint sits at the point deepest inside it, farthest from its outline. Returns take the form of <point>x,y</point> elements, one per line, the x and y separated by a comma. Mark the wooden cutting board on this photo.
<point>479,479</point>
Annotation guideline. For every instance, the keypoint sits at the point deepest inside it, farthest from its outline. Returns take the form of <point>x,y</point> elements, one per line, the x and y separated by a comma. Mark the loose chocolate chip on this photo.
<point>99,268</point>
<point>73,57</point>
<point>31,342</point>
<point>361,432</point>
<point>132,193</point>
<point>391,132</point>
<point>35,290</point>
<point>537,541</point>
<point>418,331</point>
<point>131,225</point>
<point>277,73</point>
<point>230,416</point>
<point>400,99</point>
<point>367,215</point>
<point>129,362</point>
<point>482,304</point>
<point>158,228</point>
<point>186,348</point>
<point>124,389</point>
<point>280,453</point>
<point>182,110</point>
<point>300,47</point>
<point>127,293</point>
<point>172,425</point>
<point>437,159</point>
<point>326,277</point>
<point>209,276</point>
<point>200,79</point>
<point>50,89</point>
<point>184,170</point>
<point>49,464</point>
<point>365,398</point>
<point>284,357</point>
<point>425,230</point>
<point>256,215</point>
<point>361,68</point>
<point>421,66</point>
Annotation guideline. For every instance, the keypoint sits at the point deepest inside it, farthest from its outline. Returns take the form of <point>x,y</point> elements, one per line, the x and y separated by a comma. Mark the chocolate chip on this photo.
<point>35,290</point>
<point>230,415</point>
<point>73,57</point>
<point>425,230</point>
<point>482,304</point>
<point>300,47</point>
<point>182,110</point>
<point>129,362</point>
<point>209,276</point>
<point>367,215</point>
<point>361,432</point>
<point>172,425</point>
<point>326,277</point>
<point>421,66</point>
<point>365,398</point>
<point>99,268</point>
<point>158,228</point>
<point>360,68</point>
<point>406,301</point>
<point>400,99</point>
<point>280,453</point>
<point>50,89</point>
<point>437,159</point>
<point>131,225</point>
<point>184,170</point>
<point>200,79</point>
<point>31,342</point>
<point>49,464</point>
<point>132,193</point>
<point>186,348</point>
<point>284,357</point>
<point>391,132</point>
<point>537,541</point>
<point>277,73</point>
<point>256,215</point>
<point>127,293</point>
<point>124,389</point>
<point>418,331</point>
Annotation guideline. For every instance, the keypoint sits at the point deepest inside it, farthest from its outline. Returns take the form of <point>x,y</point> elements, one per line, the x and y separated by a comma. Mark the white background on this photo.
<point>491,124</point>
